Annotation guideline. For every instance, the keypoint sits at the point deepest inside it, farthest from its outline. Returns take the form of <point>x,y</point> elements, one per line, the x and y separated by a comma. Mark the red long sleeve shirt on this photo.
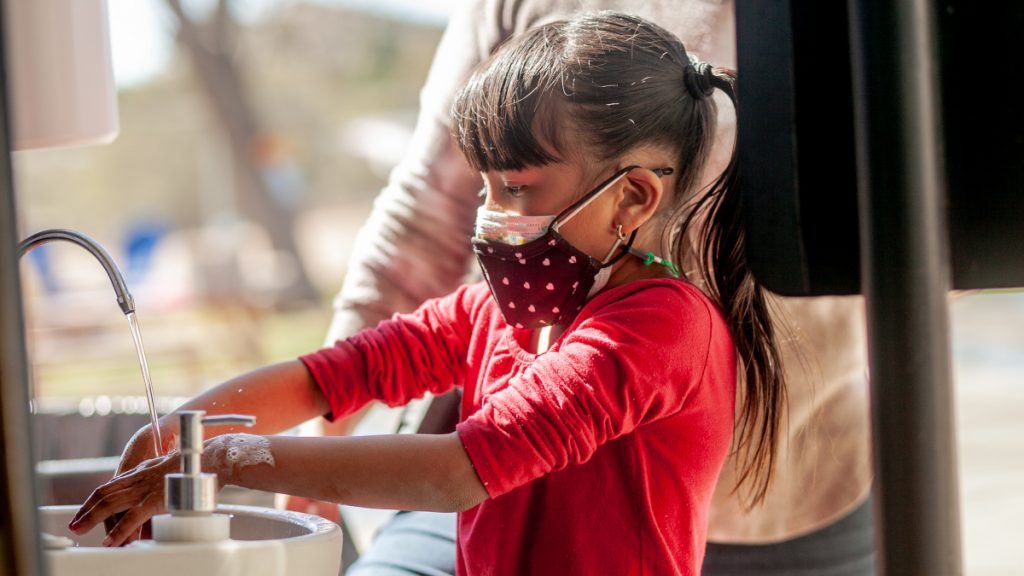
<point>600,455</point>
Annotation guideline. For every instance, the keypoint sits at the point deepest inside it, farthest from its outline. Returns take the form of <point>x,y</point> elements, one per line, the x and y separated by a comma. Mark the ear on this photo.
<point>638,199</point>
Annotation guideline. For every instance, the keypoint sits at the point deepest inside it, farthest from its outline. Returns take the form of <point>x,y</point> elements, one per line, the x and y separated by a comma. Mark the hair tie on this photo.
<point>699,78</point>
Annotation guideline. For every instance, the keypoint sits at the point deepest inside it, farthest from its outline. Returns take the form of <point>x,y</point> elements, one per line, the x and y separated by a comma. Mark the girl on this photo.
<point>598,386</point>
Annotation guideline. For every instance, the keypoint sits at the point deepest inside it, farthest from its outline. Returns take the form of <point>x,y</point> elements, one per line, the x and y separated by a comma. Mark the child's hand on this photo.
<point>139,449</point>
<point>138,493</point>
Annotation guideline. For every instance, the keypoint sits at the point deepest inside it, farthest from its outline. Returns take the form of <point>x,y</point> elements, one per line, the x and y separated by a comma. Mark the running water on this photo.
<point>137,336</point>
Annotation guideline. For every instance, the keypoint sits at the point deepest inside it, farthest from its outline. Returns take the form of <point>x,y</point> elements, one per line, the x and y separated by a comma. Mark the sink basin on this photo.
<point>263,542</point>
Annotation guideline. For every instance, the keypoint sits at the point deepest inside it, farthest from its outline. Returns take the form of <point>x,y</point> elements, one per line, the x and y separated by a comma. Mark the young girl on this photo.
<point>598,385</point>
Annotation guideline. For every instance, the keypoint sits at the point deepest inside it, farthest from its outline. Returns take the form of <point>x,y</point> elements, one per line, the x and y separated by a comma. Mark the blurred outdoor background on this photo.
<point>254,138</point>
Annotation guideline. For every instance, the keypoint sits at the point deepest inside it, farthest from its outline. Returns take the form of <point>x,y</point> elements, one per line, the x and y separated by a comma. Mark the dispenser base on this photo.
<point>200,528</point>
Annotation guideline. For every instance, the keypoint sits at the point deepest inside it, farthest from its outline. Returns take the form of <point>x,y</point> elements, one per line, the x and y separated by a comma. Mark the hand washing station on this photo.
<point>58,70</point>
<point>198,537</point>
<point>262,542</point>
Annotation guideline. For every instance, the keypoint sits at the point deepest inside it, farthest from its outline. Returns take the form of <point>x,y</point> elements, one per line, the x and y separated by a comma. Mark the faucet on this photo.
<point>124,297</point>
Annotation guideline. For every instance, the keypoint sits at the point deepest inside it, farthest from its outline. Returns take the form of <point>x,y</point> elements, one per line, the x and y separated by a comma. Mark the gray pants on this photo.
<point>423,543</point>
<point>844,548</point>
<point>411,543</point>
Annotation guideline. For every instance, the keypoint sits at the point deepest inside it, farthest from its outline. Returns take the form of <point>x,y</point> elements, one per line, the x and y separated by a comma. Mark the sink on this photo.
<point>263,542</point>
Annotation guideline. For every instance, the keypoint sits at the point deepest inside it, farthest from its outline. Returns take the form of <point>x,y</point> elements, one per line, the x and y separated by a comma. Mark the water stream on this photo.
<point>137,336</point>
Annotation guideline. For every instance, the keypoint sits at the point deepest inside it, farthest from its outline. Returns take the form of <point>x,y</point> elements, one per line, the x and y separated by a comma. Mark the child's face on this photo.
<point>548,190</point>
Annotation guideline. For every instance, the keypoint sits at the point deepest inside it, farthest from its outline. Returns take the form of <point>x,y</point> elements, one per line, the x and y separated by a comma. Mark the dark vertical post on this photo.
<point>19,524</point>
<point>905,276</point>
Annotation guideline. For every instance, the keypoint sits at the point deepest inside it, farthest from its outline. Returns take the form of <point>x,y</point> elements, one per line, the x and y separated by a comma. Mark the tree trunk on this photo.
<point>218,74</point>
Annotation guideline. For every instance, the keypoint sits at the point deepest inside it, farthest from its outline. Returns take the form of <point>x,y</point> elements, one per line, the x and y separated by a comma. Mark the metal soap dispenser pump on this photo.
<point>191,495</point>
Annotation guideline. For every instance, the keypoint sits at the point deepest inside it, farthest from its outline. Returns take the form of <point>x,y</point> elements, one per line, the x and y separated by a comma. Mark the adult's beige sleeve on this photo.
<point>414,245</point>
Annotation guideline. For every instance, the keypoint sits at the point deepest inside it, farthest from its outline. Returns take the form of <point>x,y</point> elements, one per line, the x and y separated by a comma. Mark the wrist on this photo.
<point>143,439</point>
<point>168,437</point>
<point>214,459</point>
<point>229,454</point>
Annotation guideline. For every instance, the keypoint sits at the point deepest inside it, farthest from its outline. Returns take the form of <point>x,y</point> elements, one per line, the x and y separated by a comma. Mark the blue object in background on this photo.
<point>40,258</point>
<point>140,242</point>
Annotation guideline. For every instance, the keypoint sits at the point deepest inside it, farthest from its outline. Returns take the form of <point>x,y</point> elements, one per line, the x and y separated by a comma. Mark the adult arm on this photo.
<point>414,246</point>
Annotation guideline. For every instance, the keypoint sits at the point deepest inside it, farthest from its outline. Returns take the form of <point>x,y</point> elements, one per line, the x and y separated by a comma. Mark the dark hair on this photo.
<point>606,83</point>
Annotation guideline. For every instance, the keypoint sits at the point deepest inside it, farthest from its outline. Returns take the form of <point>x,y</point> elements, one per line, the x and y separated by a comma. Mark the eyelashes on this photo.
<point>513,190</point>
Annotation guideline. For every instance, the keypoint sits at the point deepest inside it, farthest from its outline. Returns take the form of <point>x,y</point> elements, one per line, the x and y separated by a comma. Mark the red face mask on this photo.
<point>546,281</point>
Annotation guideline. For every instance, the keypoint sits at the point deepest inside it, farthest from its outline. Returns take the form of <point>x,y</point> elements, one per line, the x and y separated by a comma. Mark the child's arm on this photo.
<point>412,472</point>
<point>280,396</point>
<point>393,472</point>
<point>625,365</point>
<point>401,472</point>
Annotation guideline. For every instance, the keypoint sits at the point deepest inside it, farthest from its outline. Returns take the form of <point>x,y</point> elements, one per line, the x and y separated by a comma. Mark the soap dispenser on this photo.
<point>191,495</point>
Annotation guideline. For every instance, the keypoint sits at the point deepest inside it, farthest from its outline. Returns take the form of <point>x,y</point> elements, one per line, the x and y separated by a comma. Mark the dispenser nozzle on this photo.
<point>193,491</point>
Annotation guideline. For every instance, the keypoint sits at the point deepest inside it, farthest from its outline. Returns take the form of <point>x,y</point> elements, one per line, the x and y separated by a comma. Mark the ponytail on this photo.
<point>730,283</point>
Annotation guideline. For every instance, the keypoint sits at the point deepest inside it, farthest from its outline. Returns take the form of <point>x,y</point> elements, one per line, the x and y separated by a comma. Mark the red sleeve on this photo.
<point>402,358</point>
<point>635,361</point>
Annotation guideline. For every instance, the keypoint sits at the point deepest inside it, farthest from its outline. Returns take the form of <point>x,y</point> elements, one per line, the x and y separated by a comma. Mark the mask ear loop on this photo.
<point>582,203</point>
<point>624,245</point>
<point>648,257</point>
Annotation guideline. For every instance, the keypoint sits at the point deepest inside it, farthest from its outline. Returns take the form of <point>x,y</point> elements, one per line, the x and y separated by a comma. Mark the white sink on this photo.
<point>263,542</point>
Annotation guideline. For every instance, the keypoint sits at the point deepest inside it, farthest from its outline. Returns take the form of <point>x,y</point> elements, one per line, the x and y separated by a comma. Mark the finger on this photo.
<point>102,509</point>
<point>297,504</point>
<point>131,522</point>
<point>141,534</point>
<point>115,484</point>
<point>106,504</point>
<point>109,523</point>
<point>328,511</point>
<point>95,498</point>
<point>333,513</point>
<point>146,477</point>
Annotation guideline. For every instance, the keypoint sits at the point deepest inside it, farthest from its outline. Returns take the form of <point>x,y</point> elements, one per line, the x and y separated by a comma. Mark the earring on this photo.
<point>618,232</point>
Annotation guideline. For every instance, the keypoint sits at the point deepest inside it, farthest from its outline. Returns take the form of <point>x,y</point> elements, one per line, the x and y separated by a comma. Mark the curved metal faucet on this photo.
<point>124,298</point>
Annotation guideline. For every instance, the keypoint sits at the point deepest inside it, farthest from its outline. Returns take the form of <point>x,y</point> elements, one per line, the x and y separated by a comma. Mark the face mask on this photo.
<point>536,276</point>
<point>510,228</point>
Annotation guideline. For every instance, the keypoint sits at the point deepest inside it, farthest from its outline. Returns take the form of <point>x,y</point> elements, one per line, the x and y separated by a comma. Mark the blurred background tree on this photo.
<point>245,164</point>
<point>265,200</point>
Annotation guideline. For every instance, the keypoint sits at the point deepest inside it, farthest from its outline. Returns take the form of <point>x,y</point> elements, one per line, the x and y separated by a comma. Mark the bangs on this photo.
<point>504,118</point>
